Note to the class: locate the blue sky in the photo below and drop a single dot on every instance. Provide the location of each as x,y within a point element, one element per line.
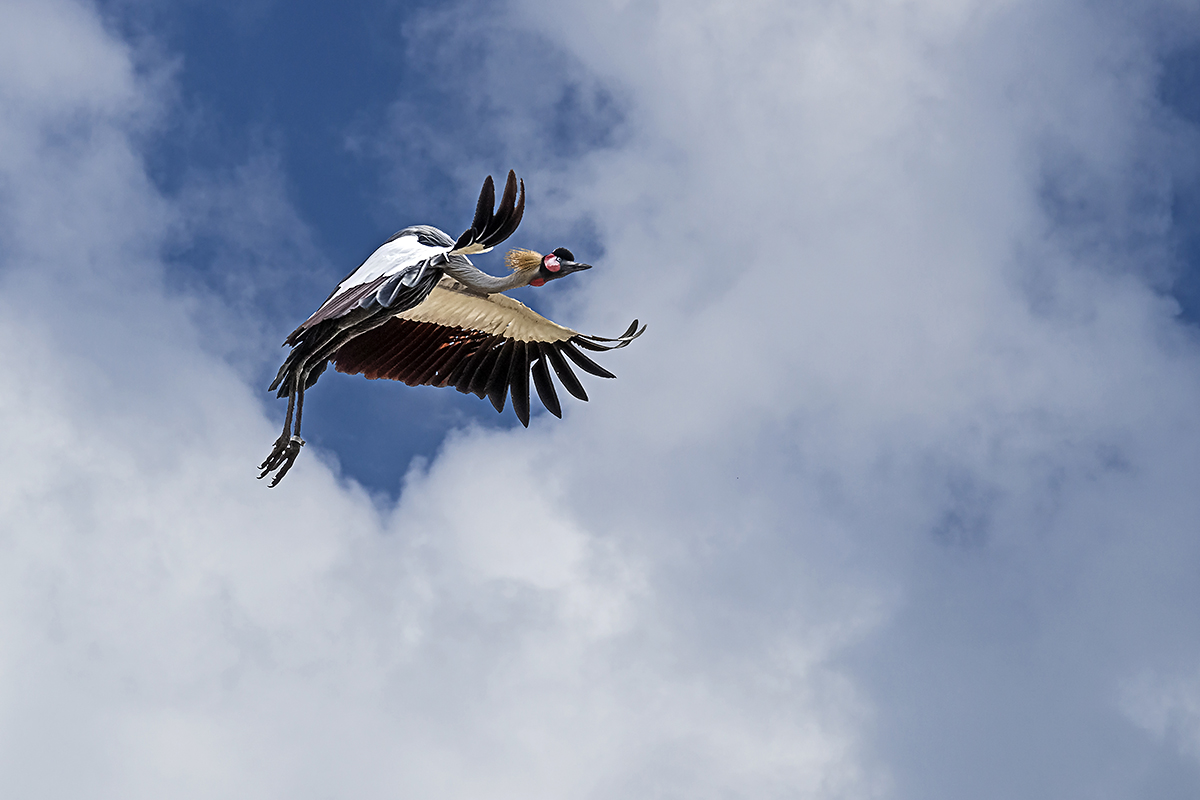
<point>300,89</point>
<point>312,91</point>
<point>895,498</point>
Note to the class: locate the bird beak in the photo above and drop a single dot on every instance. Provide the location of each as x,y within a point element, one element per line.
<point>572,266</point>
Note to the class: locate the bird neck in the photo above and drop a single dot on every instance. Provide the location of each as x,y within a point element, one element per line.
<point>474,278</point>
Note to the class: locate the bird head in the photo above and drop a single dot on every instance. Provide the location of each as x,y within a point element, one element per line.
<point>544,269</point>
<point>557,264</point>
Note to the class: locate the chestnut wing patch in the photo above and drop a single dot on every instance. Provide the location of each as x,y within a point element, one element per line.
<point>476,362</point>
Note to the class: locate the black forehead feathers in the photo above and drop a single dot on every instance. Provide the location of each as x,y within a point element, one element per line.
<point>564,254</point>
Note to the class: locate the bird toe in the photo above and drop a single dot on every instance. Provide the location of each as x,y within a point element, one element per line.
<point>282,456</point>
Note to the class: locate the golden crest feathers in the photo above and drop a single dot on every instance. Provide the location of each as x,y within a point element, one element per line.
<point>517,260</point>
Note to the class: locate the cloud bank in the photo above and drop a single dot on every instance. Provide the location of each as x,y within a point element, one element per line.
<point>894,499</point>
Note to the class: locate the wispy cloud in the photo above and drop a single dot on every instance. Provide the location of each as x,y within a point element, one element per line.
<point>894,499</point>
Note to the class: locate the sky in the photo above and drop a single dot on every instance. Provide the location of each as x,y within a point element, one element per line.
<point>895,498</point>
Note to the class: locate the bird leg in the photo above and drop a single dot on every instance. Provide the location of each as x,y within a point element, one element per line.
<point>286,448</point>
<point>281,442</point>
<point>300,406</point>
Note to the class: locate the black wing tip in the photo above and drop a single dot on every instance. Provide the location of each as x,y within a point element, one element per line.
<point>490,228</point>
<point>483,206</point>
<point>518,380</point>
<point>631,333</point>
<point>545,387</point>
<point>514,213</point>
<point>598,344</point>
<point>505,220</point>
<point>570,382</point>
<point>585,363</point>
<point>602,344</point>
<point>497,383</point>
<point>467,237</point>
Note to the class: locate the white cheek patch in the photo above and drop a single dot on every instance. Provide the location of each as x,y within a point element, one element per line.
<point>553,264</point>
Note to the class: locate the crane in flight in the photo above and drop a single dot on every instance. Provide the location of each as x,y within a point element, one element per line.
<point>419,311</point>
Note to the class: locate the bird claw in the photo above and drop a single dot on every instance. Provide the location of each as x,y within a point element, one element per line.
<point>282,456</point>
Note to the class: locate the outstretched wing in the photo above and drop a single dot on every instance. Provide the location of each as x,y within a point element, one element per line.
<point>489,229</point>
<point>387,278</point>
<point>485,345</point>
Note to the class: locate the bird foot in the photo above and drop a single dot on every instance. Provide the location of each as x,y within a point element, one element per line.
<point>283,455</point>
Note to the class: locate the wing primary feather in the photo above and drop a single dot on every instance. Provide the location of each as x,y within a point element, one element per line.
<point>483,208</point>
<point>483,371</point>
<point>545,388</point>
<point>460,376</point>
<point>516,217</point>
<point>465,376</point>
<point>518,379</point>
<point>624,339</point>
<point>563,370</point>
<point>629,332</point>
<point>508,202</point>
<point>590,345</point>
<point>446,371</point>
<point>464,240</point>
<point>497,383</point>
<point>490,228</point>
<point>585,363</point>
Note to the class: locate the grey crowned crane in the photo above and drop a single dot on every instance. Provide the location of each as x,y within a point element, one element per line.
<point>419,311</point>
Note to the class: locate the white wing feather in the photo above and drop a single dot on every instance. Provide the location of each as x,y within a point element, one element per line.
<point>391,258</point>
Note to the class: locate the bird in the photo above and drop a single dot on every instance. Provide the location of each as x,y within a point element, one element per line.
<point>418,311</point>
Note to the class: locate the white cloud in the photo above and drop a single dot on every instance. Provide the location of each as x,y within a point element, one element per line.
<point>894,499</point>
<point>1166,708</point>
